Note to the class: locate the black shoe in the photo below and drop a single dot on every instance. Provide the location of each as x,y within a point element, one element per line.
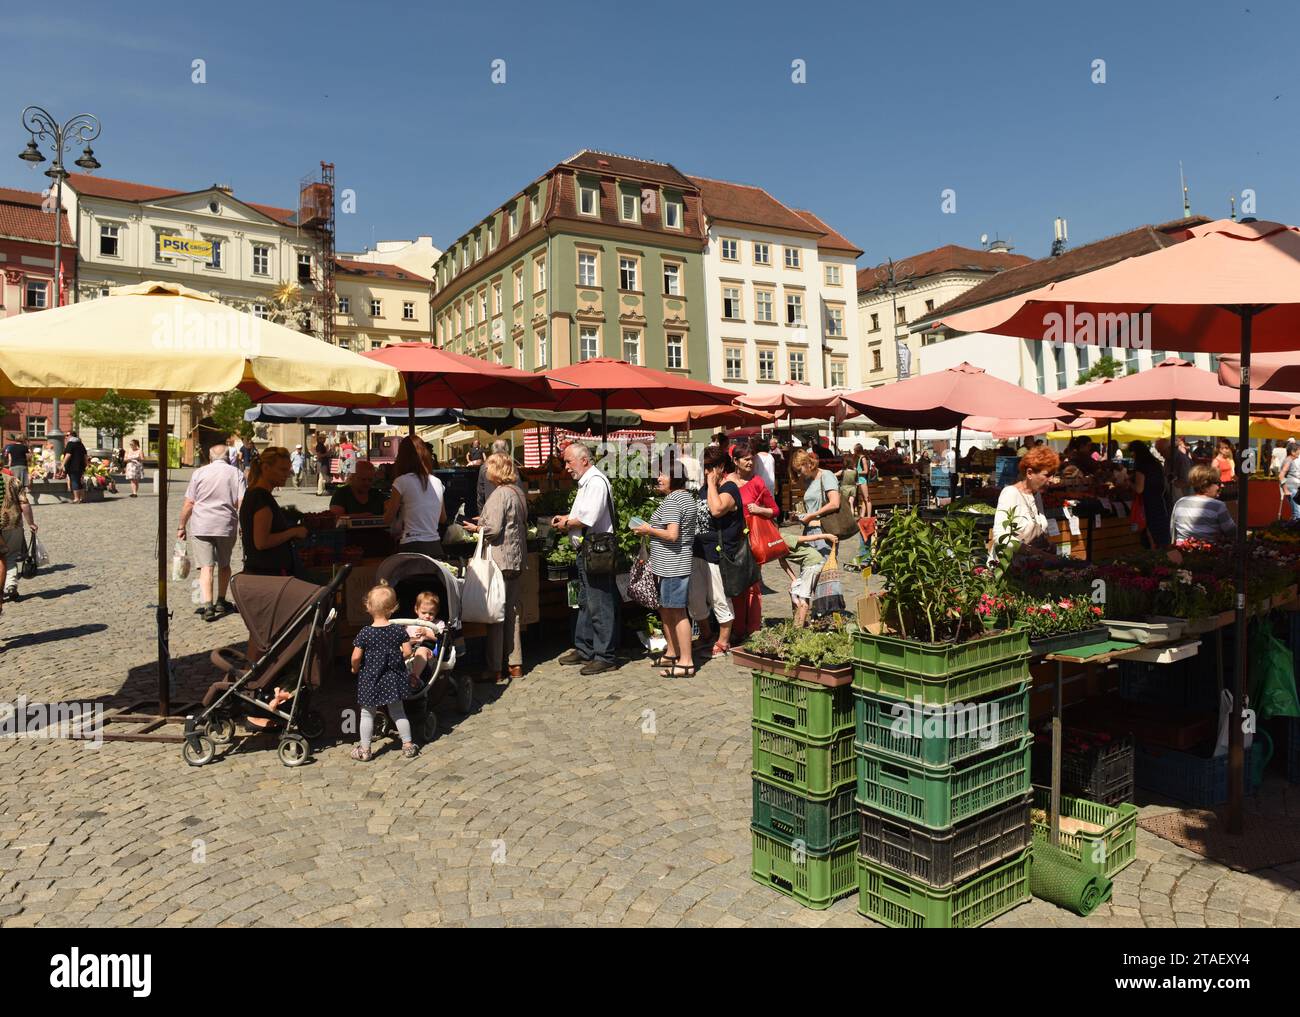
<point>598,667</point>
<point>210,614</point>
<point>203,609</point>
<point>573,657</point>
<point>225,606</point>
<point>11,596</point>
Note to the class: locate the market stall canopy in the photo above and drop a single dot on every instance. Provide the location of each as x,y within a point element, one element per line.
<point>159,337</point>
<point>691,417</point>
<point>604,384</point>
<point>1021,428</point>
<point>945,399</point>
<point>1174,385</point>
<point>1150,430</point>
<point>1077,392</point>
<point>1272,371</point>
<point>794,401</point>
<point>499,420</point>
<point>310,413</point>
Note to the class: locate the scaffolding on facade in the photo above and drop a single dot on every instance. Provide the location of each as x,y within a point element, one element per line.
<point>316,216</point>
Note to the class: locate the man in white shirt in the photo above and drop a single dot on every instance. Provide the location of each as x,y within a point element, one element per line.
<point>765,467</point>
<point>595,638</point>
<point>210,518</point>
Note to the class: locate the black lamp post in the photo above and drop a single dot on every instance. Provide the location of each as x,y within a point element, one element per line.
<point>891,278</point>
<point>81,129</point>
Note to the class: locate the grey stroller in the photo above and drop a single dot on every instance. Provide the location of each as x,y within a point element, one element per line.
<point>409,574</point>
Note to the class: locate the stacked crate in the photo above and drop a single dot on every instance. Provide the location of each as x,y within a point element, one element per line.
<point>804,829</point>
<point>942,749</point>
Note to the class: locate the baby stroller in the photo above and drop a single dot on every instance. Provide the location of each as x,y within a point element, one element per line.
<point>293,621</point>
<point>409,574</point>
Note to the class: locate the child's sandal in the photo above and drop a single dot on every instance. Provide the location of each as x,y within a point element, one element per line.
<point>360,755</point>
<point>410,750</point>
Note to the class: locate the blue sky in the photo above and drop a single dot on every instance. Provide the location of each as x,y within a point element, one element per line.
<point>902,101</point>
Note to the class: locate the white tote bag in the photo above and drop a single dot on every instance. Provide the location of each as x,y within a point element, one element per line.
<point>483,599</point>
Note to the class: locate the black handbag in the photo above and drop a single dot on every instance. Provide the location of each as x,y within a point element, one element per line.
<point>27,570</point>
<point>740,570</point>
<point>599,551</point>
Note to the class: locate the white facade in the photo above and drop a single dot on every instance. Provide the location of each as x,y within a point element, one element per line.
<point>418,255</point>
<point>751,339</point>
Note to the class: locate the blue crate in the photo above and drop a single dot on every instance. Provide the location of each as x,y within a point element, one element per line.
<point>1195,779</point>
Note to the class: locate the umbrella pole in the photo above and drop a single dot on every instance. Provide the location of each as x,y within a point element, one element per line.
<point>1171,467</point>
<point>367,439</point>
<point>410,410</point>
<point>1236,745</point>
<point>1108,427</point>
<point>160,614</point>
<point>604,417</point>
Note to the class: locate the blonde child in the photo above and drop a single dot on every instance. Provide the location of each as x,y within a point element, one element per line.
<point>424,640</point>
<point>378,660</point>
<point>810,562</point>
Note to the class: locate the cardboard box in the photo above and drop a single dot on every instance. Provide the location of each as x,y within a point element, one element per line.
<point>869,613</point>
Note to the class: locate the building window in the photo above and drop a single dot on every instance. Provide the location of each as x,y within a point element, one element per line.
<point>767,365</point>
<point>796,365</point>
<point>496,297</point>
<point>482,305</point>
<point>464,257</point>
<point>459,328</point>
<point>929,305</point>
<point>304,268</point>
<point>104,291</point>
<point>875,361</point>
<point>630,208</point>
<point>632,346</point>
<point>1131,361</point>
<point>345,305</point>
<point>731,308</point>
<point>838,373</point>
<point>532,210</point>
<point>588,343</point>
<point>543,350</point>
<point>408,310</point>
<point>673,215</point>
<point>627,274</point>
<point>734,363</point>
<point>875,323</point>
<point>586,269</point>
<point>37,295</point>
<point>1059,352</point>
<point>900,315</point>
<point>672,279</point>
<point>260,311</point>
<point>762,254</point>
<point>792,256</point>
<point>376,309</point>
<point>519,286</point>
<point>763,305</point>
<point>519,354</point>
<point>469,312</point>
<point>36,428</point>
<point>730,250</point>
<point>794,308</point>
<point>676,353</point>
<point>832,275</point>
<point>834,321</point>
<point>215,260</point>
<point>1081,361</point>
<point>541,274</point>
<point>478,249</point>
<point>261,260</point>
<point>514,221</point>
<point>497,356</point>
<point>157,249</point>
<point>588,200</point>
<point>108,241</point>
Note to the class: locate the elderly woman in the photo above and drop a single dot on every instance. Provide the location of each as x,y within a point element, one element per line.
<point>821,496</point>
<point>263,527</point>
<point>672,533</point>
<point>503,523</point>
<point>1201,515</point>
<point>1020,505</point>
<point>417,500</point>
<point>357,498</point>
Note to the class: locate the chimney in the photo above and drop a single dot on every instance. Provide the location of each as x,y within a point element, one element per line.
<point>1061,236</point>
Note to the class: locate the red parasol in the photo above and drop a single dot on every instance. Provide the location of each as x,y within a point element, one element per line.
<point>603,383</point>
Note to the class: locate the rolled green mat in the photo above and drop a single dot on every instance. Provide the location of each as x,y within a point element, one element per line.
<point>1061,880</point>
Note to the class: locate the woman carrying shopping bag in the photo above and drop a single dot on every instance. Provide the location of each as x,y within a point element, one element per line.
<point>758,504</point>
<point>503,526</point>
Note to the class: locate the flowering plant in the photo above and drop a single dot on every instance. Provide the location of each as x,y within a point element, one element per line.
<point>1055,617</point>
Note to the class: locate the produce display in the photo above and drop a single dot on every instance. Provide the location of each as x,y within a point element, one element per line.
<point>822,643</point>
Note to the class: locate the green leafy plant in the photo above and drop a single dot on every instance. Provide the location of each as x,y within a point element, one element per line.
<point>820,646</point>
<point>562,555</point>
<point>228,414</point>
<point>113,413</point>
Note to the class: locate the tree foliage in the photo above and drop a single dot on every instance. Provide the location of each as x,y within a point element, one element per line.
<point>113,413</point>
<point>1106,367</point>
<point>228,414</point>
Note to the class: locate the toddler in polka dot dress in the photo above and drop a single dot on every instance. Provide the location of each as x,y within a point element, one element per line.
<point>379,661</point>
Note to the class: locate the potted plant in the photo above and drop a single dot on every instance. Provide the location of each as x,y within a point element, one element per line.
<point>559,560</point>
<point>820,652</point>
<point>1061,623</point>
<point>943,610</point>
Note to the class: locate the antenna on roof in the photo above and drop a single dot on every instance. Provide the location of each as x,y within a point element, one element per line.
<point>984,240</point>
<point>1232,207</point>
<point>1187,205</point>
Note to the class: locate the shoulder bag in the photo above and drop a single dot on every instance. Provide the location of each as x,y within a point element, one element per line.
<point>599,551</point>
<point>483,597</point>
<point>643,586</point>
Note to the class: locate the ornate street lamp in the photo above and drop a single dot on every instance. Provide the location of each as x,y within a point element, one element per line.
<point>80,130</point>
<point>893,278</point>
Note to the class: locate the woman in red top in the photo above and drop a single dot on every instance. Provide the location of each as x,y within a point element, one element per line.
<point>1223,462</point>
<point>757,500</point>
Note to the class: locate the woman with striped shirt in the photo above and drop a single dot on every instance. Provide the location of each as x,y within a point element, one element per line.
<point>672,534</point>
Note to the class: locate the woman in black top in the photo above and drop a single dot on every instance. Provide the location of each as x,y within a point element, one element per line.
<point>726,527</point>
<point>1149,483</point>
<point>263,526</point>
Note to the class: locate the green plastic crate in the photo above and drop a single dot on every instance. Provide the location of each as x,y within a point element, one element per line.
<point>938,797</point>
<point>803,708</point>
<point>938,660</point>
<point>821,823</point>
<point>815,769</point>
<point>1106,852</point>
<point>942,736</point>
<point>958,687</point>
<point>902,903</point>
<point>815,879</point>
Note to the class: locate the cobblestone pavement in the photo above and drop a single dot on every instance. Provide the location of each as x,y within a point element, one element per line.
<point>551,804</point>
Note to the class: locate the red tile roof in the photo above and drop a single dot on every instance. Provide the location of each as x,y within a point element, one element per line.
<point>562,202</point>
<point>125,190</point>
<point>949,258</point>
<point>744,203</point>
<point>378,270</point>
<point>628,167</point>
<point>21,217</point>
<point>1072,262</point>
<point>832,240</point>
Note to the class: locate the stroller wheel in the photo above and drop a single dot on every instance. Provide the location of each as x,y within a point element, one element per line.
<point>312,724</point>
<point>293,750</point>
<point>384,727</point>
<point>430,726</point>
<point>465,694</point>
<point>221,729</point>
<point>198,750</point>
